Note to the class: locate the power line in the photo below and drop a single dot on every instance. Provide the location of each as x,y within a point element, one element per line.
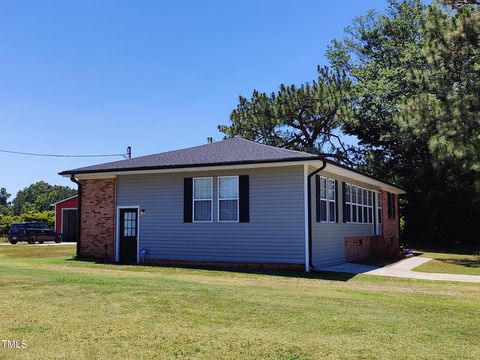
<point>61,155</point>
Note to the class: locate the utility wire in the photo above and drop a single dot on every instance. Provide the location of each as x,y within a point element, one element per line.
<point>61,155</point>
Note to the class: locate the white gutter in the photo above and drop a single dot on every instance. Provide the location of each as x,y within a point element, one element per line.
<point>305,205</point>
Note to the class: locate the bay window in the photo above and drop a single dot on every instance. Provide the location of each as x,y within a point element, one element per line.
<point>358,205</point>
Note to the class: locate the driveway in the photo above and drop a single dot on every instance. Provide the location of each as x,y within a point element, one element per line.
<point>402,269</point>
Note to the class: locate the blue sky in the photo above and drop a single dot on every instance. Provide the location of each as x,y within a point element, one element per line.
<point>96,76</point>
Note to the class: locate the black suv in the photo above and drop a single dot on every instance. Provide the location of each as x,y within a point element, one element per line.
<point>32,232</point>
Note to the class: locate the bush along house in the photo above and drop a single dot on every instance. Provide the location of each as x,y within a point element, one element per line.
<point>234,203</point>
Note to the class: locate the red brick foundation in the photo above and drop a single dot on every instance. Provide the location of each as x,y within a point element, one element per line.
<point>362,247</point>
<point>358,247</point>
<point>97,233</point>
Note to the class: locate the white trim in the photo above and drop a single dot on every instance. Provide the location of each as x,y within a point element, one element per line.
<point>335,170</point>
<point>61,218</point>
<point>117,231</point>
<point>69,198</point>
<point>112,174</point>
<point>305,212</point>
<point>193,200</point>
<point>237,199</point>
<point>340,171</point>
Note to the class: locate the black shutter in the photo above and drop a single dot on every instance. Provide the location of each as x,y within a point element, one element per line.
<point>336,201</point>
<point>244,198</point>
<point>317,197</point>
<point>374,210</point>
<point>344,201</point>
<point>187,199</point>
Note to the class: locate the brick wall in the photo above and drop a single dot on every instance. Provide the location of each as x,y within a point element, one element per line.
<point>97,219</point>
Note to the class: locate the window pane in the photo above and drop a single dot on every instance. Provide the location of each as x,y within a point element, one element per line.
<point>354,194</point>
<point>323,210</point>
<point>228,210</point>
<point>348,210</point>
<point>228,187</point>
<point>370,213</point>
<point>360,214</point>
<point>365,197</point>
<point>354,213</point>
<point>331,189</point>
<point>202,210</point>
<point>360,196</point>
<point>365,216</point>
<point>202,188</point>
<point>332,211</point>
<point>370,200</point>
<point>323,188</point>
<point>347,193</point>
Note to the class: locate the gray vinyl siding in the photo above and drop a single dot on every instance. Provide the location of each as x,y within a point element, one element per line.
<point>274,234</point>
<point>328,245</point>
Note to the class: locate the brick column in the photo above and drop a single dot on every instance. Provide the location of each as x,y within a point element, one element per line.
<point>390,228</point>
<point>98,219</point>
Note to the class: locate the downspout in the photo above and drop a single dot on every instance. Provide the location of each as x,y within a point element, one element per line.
<point>79,209</point>
<point>309,194</point>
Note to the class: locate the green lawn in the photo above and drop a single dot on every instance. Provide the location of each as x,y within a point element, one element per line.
<point>81,310</point>
<point>451,264</point>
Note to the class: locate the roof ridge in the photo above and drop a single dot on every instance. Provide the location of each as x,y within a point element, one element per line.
<point>275,147</point>
<point>167,152</point>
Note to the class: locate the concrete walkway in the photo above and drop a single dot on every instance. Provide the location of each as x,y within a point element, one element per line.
<point>402,269</point>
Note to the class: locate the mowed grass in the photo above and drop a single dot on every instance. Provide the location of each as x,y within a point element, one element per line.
<point>81,310</point>
<point>451,264</point>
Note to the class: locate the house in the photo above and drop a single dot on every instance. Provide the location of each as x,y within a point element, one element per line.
<point>234,202</point>
<point>66,218</point>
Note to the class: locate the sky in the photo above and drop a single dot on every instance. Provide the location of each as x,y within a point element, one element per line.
<point>93,77</point>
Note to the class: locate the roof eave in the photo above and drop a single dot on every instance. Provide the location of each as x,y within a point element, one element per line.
<point>186,166</point>
<point>60,201</point>
<point>213,166</point>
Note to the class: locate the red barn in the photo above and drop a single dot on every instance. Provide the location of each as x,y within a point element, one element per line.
<point>66,218</point>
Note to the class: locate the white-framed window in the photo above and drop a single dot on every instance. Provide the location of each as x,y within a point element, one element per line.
<point>203,199</point>
<point>328,211</point>
<point>359,204</point>
<point>228,204</point>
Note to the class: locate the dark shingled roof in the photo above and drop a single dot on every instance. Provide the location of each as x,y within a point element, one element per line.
<point>227,152</point>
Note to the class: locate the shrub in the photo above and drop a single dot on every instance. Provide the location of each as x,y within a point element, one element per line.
<point>7,220</point>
